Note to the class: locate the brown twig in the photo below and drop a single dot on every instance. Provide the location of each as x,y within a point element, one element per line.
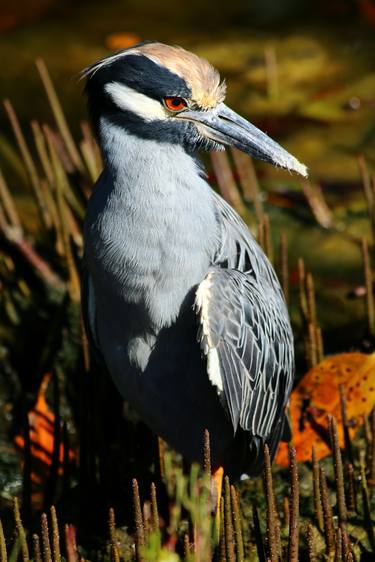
<point>368,192</point>
<point>264,236</point>
<point>312,347</point>
<point>70,544</point>
<point>249,181</point>
<point>160,458</point>
<point>302,288</point>
<point>21,532</point>
<point>3,545</point>
<point>318,205</point>
<point>154,508</point>
<point>222,546</point>
<point>316,491</point>
<point>229,535</point>
<point>319,344</point>
<point>339,472</point>
<point>47,557</point>
<point>115,556</point>
<point>260,234</point>
<point>85,346</point>
<point>310,298</point>
<point>28,161</point>
<point>225,180</point>
<point>146,512</point>
<point>368,283</point>
<point>329,532</point>
<point>368,437</point>
<point>138,519</point>
<point>41,148</point>
<point>294,508</point>
<point>9,204</point>
<point>60,181</point>
<point>59,115</point>
<point>338,546</point>
<point>367,520</point>
<point>207,453</point>
<point>38,263</point>
<point>36,548</point>
<point>272,541</point>
<point>286,513</point>
<point>347,552</point>
<point>55,536</point>
<point>91,154</point>
<point>267,237</point>
<point>352,496</point>
<point>311,546</point>
<point>366,181</point>
<point>345,425</point>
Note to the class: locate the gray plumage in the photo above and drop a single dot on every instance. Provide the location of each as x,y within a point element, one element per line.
<point>181,303</point>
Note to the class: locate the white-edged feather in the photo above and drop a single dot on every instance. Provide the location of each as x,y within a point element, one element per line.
<point>202,299</point>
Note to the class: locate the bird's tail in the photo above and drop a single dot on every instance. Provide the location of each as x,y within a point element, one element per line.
<point>280,431</point>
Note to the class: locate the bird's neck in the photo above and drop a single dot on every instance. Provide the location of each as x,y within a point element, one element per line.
<point>145,167</point>
<point>151,227</point>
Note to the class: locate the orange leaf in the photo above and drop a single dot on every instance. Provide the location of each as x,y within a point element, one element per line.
<point>317,395</point>
<point>41,422</point>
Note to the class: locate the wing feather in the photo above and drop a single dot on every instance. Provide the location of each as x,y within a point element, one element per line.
<point>244,320</point>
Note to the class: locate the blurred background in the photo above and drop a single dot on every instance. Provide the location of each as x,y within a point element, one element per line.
<point>302,71</point>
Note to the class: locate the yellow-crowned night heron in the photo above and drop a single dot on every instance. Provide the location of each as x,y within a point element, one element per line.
<point>179,300</point>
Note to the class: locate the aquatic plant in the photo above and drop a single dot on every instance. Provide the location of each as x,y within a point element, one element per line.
<point>335,524</point>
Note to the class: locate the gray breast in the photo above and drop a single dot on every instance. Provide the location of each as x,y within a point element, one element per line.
<point>150,237</point>
<point>149,241</point>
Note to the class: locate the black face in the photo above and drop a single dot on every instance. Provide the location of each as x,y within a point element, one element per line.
<point>143,75</point>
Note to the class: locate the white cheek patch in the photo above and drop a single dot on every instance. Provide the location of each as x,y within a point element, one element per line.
<point>130,100</point>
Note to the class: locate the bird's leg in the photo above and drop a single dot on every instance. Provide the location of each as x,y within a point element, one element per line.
<point>216,488</point>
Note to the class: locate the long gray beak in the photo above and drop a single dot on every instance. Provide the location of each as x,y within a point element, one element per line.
<point>227,127</point>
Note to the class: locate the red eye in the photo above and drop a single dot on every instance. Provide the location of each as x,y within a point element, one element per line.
<point>174,103</point>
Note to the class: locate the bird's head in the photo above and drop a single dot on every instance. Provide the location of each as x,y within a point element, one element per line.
<point>170,95</point>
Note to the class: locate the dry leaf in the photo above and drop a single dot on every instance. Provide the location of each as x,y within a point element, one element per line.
<point>317,395</point>
<point>41,422</point>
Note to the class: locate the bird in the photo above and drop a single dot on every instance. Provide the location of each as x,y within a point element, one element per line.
<point>179,301</point>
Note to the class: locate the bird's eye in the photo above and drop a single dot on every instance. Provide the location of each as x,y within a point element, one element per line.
<point>174,103</point>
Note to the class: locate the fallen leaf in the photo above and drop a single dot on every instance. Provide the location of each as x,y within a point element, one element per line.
<point>317,396</point>
<point>41,423</point>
